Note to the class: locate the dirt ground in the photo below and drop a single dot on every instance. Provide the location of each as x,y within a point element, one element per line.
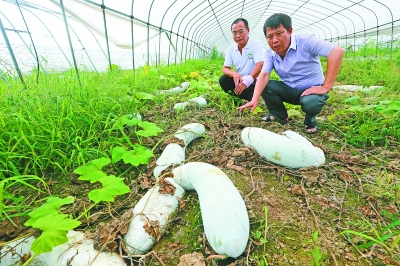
<point>287,205</point>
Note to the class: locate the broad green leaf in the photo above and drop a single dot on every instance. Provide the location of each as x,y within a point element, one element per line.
<point>257,110</point>
<point>55,221</point>
<point>395,105</point>
<point>51,206</point>
<point>112,186</point>
<point>127,120</point>
<point>48,240</point>
<point>117,153</point>
<point>93,176</point>
<point>139,155</point>
<point>95,165</point>
<point>149,129</point>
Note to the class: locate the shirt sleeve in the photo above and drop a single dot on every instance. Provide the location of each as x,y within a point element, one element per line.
<point>319,47</point>
<point>228,58</point>
<point>268,61</point>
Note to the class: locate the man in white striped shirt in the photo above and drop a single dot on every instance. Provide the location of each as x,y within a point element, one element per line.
<point>246,55</point>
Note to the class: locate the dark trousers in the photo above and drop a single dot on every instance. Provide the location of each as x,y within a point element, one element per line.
<point>228,85</point>
<point>278,92</point>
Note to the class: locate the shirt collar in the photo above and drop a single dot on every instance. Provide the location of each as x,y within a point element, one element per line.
<point>293,45</point>
<point>237,48</point>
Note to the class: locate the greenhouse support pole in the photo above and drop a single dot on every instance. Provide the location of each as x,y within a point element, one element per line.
<point>106,33</point>
<point>3,31</point>
<point>148,34</point>
<point>70,43</point>
<point>132,36</point>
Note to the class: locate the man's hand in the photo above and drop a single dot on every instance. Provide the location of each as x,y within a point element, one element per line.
<point>321,90</point>
<point>240,88</point>
<point>237,78</point>
<point>253,104</point>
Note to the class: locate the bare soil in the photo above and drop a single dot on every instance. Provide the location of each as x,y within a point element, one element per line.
<point>288,205</point>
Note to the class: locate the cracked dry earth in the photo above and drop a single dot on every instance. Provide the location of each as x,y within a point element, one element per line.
<point>286,205</point>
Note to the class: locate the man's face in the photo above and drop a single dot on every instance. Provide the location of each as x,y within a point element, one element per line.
<point>240,33</point>
<point>279,39</point>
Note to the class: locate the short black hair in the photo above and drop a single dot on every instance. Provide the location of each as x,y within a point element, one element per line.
<point>246,24</point>
<point>276,20</point>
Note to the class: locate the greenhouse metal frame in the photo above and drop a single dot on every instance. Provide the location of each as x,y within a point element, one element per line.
<point>99,35</point>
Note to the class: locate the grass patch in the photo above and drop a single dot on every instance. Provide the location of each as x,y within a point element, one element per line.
<point>53,127</point>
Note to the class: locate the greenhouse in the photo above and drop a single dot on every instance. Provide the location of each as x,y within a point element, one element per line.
<point>199,132</point>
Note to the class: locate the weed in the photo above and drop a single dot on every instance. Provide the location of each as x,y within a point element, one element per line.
<point>261,235</point>
<point>387,236</point>
<point>316,254</point>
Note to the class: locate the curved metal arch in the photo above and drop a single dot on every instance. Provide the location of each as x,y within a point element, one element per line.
<point>324,19</point>
<point>73,30</point>
<point>265,10</point>
<point>300,20</point>
<point>22,39</point>
<point>162,21</point>
<point>3,31</point>
<point>214,15</point>
<point>211,40</point>
<point>354,30</point>
<point>57,15</point>
<point>210,19</point>
<point>177,34</point>
<point>184,31</point>
<point>148,32</point>
<point>200,23</point>
<point>332,16</point>
<point>377,30</point>
<point>391,14</point>
<point>307,23</point>
<point>204,24</point>
<point>183,34</point>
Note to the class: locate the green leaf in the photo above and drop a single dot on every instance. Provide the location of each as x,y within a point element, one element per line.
<point>316,255</point>
<point>352,99</point>
<point>127,120</point>
<point>95,165</point>
<point>139,155</point>
<point>149,129</point>
<point>112,186</point>
<point>93,176</point>
<point>315,236</point>
<point>257,110</point>
<point>51,206</point>
<point>54,224</point>
<point>394,105</point>
<point>55,221</point>
<point>144,96</point>
<point>48,240</point>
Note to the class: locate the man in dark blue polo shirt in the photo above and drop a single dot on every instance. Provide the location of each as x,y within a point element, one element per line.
<point>295,58</point>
